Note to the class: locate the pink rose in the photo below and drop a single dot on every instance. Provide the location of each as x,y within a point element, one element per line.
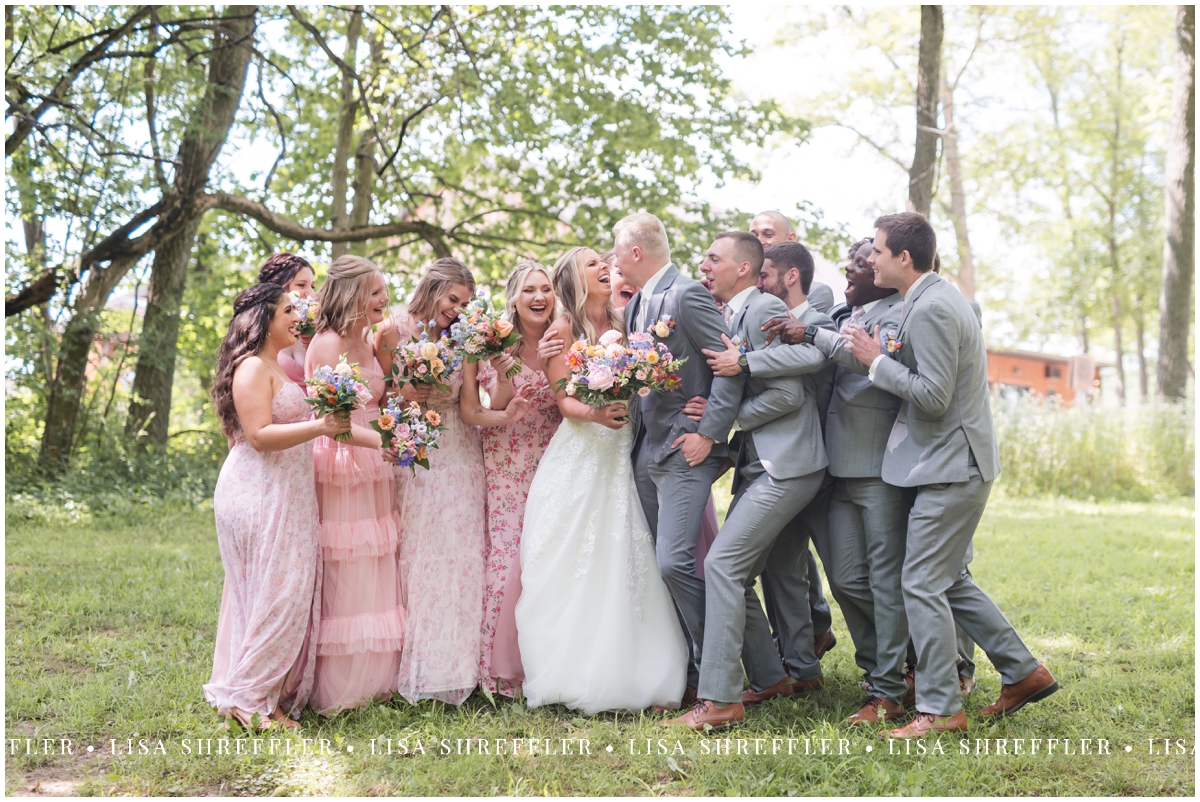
<point>609,337</point>
<point>644,391</point>
<point>599,378</point>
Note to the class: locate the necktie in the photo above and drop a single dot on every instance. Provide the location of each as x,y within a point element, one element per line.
<point>727,314</point>
<point>641,315</point>
<point>857,314</point>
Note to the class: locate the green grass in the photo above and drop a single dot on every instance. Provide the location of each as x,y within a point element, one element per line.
<point>110,635</point>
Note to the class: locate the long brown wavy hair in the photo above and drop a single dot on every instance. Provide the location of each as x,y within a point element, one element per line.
<point>253,310</point>
<point>570,290</point>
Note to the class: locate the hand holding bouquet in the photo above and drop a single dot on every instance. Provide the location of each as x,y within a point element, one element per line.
<point>480,335</point>
<point>306,308</point>
<point>337,390</point>
<point>610,372</point>
<point>408,432</point>
<point>425,361</point>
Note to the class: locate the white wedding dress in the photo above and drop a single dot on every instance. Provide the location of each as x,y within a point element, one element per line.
<point>596,625</point>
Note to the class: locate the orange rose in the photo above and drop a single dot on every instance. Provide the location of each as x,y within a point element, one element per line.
<point>503,328</point>
<point>422,453</point>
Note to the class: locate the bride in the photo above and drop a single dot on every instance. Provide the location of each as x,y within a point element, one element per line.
<point>596,625</point>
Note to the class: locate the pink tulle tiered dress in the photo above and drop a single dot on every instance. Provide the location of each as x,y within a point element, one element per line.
<point>266,513</point>
<point>362,619</point>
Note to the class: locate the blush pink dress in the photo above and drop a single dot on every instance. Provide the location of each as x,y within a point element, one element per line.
<point>441,559</point>
<point>266,513</point>
<point>362,618</point>
<point>510,456</point>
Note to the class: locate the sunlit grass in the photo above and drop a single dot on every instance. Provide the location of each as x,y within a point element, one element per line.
<point>110,636</point>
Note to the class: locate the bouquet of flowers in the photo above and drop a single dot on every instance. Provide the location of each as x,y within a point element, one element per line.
<point>609,372</point>
<point>408,431</point>
<point>425,361</point>
<point>306,308</point>
<point>337,389</point>
<point>480,334</point>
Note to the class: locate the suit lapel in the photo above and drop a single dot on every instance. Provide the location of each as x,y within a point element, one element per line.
<point>655,304</point>
<point>736,321</point>
<point>631,312</point>
<point>880,309</point>
<point>910,302</point>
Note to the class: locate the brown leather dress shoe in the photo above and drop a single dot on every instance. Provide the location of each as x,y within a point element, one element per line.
<point>801,685</point>
<point>689,699</point>
<point>752,697</point>
<point>925,723</point>
<point>966,684</point>
<point>875,710</point>
<point>1038,685</point>
<point>824,642</point>
<point>705,712</point>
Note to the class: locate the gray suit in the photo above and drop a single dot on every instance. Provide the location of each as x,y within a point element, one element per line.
<point>868,518</point>
<point>791,568</point>
<point>779,469</point>
<point>943,446</point>
<point>674,494</point>
<point>820,297</point>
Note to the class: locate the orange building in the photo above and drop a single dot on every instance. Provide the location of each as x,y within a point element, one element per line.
<point>1045,375</point>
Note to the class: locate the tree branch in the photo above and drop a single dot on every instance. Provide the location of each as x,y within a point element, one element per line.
<point>33,294</point>
<point>26,120</point>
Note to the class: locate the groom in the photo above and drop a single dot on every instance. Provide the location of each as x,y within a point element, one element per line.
<point>675,459</point>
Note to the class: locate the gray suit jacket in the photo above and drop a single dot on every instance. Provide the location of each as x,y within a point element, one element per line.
<point>800,360</point>
<point>940,372</point>
<point>698,324</point>
<point>861,415</point>
<point>820,297</point>
<point>778,413</point>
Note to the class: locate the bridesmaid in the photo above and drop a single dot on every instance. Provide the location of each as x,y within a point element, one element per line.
<point>266,512</point>
<point>362,619</point>
<point>513,443</point>
<point>294,274</point>
<point>442,513</point>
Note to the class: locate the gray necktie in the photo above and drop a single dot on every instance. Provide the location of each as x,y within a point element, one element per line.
<point>727,313</point>
<point>856,316</point>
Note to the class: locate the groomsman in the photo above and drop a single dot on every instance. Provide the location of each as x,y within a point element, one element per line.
<point>867,517</point>
<point>771,228</point>
<point>943,447</point>
<point>791,570</point>
<point>778,470</point>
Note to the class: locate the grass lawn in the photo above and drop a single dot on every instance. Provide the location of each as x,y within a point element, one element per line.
<point>110,634</point>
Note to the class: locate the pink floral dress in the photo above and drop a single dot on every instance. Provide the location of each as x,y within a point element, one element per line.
<point>266,511</point>
<point>510,456</point>
<point>362,618</point>
<point>441,559</point>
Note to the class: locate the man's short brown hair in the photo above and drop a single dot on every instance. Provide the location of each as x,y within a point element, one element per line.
<point>788,255</point>
<point>746,248</point>
<point>909,231</point>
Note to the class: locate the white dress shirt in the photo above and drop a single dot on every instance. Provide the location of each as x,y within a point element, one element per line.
<point>913,286</point>
<point>738,301</point>
<point>800,310</point>
<point>646,291</point>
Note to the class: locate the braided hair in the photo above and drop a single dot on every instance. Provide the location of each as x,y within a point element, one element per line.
<point>281,268</point>
<point>253,311</point>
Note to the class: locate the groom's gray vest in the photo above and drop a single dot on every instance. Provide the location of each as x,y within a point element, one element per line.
<point>698,325</point>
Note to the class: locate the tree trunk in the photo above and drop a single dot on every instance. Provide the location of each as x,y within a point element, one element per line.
<point>1179,250</point>
<point>929,67</point>
<point>66,395</point>
<point>347,114</point>
<point>1140,329</point>
<point>958,200</point>
<point>150,402</point>
<point>150,407</point>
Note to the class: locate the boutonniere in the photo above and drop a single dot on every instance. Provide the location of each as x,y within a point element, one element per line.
<point>891,342</point>
<point>663,326</point>
<point>739,343</point>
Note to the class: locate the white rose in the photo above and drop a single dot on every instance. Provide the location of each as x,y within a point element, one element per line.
<point>343,369</point>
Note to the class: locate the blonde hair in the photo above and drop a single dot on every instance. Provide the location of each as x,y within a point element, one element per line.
<point>438,279</point>
<point>343,297</point>
<point>646,232</point>
<point>570,292</point>
<point>516,283</point>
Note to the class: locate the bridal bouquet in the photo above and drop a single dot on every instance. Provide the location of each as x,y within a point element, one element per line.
<point>425,361</point>
<point>609,372</point>
<point>408,432</point>
<point>306,308</point>
<point>337,389</point>
<point>480,335</point>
